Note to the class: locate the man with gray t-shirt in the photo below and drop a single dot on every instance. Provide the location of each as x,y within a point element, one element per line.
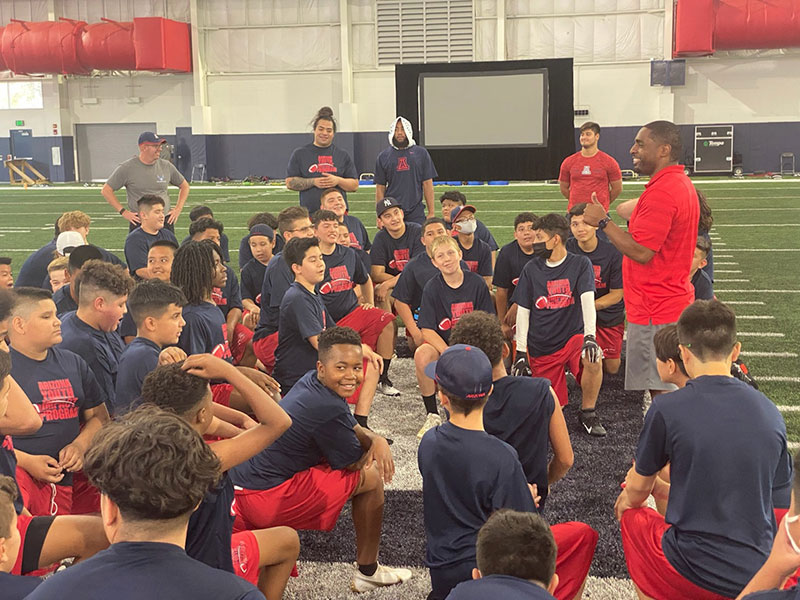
<point>143,175</point>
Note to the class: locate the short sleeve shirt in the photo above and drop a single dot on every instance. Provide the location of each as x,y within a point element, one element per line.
<point>138,243</point>
<point>343,270</point>
<point>442,306</point>
<point>311,161</point>
<point>208,538</point>
<point>230,296</point>
<point>607,268</point>
<point>137,361</point>
<point>508,267</point>
<point>321,430</point>
<point>729,468</point>
<point>277,278</point>
<point>205,331</point>
<point>703,286</point>
<point>553,295</point>
<point>665,221</point>
<point>252,280</point>
<point>359,238</point>
<point>302,315</point>
<point>466,476</point>
<point>140,179</point>
<point>402,172</point>
<point>394,253</point>
<point>34,270</point>
<point>64,301</point>
<point>478,257</point>
<point>589,174</point>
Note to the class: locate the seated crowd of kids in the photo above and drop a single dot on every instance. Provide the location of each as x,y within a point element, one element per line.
<point>168,426</point>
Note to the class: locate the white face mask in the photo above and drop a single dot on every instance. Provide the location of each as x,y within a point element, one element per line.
<point>466,227</point>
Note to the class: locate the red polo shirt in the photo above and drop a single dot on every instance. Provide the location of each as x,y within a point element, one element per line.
<point>665,221</point>
<point>589,174</point>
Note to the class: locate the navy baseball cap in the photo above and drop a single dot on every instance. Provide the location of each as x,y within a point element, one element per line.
<point>459,209</point>
<point>262,229</point>
<point>464,371</point>
<point>148,137</point>
<point>383,205</point>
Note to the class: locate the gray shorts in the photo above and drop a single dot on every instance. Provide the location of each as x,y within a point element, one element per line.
<point>640,359</point>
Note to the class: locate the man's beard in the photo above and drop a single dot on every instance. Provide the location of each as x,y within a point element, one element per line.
<point>396,144</point>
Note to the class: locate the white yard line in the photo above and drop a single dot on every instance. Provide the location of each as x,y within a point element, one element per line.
<point>765,317</point>
<point>756,302</point>
<point>769,354</point>
<point>760,334</point>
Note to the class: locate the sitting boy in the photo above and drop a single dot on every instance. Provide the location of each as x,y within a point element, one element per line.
<point>475,252</point>
<point>717,532</point>
<point>139,240</point>
<point>510,261</point>
<point>304,479</point>
<point>516,556</point>
<point>201,211</point>
<point>261,241</point>
<point>66,297</point>
<point>703,286</point>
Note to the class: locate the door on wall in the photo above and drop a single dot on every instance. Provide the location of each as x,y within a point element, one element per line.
<point>103,146</point>
<point>21,143</point>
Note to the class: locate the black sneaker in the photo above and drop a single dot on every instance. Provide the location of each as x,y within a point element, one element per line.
<point>591,424</point>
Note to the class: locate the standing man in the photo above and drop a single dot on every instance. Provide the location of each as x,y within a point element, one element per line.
<point>146,175</point>
<point>658,248</point>
<point>590,170</point>
<point>405,171</point>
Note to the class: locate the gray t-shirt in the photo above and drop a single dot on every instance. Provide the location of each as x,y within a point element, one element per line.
<point>140,180</point>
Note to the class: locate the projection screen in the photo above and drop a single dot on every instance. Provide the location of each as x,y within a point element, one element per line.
<point>484,109</point>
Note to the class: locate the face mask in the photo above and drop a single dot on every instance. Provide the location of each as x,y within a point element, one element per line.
<point>467,227</point>
<point>540,249</point>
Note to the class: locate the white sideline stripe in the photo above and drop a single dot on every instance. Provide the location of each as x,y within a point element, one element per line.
<point>721,244</point>
<point>770,354</point>
<point>757,302</point>
<point>788,407</point>
<point>760,334</point>
<point>779,378</point>
<point>725,271</point>
<point>758,225</point>
<point>762,250</point>
<point>729,264</point>
<point>716,210</point>
<point>732,280</point>
<point>754,317</point>
<point>758,291</point>
<point>723,256</point>
<point>793,445</point>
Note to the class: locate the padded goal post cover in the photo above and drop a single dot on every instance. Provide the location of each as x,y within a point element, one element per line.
<point>107,46</point>
<point>162,45</point>
<point>694,28</point>
<point>42,47</point>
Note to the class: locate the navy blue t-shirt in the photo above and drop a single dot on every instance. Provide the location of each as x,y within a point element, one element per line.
<point>17,587</point>
<point>253,280</point>
<point>100,349</point>
<point>302,315</point>
<point>607,268</point>
<point>418,272</point>
<point>208,538</point>
<point>322,429</point>
<point>508,267</point>
<point>499,586</point>
<point>518,412</point>
<point>402,172</point>
<point>60,387</point>
<point>359,238</point>
<point>703,286</point>
<point>138,243</point>
<point>343,270</point>
<point>311,161</point>
<point>442,306</point>
<point>127,327</point>
<point>553,295</point>
<point>277,279</point>
<point>138,359</point>
<point>466,476</point>
<point>394,254</point>
<point>205,331</point>
<point>135,570</point>
<point>478,257</point>
<point>729,468</point>
<point>230,296</point>
<point>246,255</point>
<point>8,466</point>
<point>64,301</point>
<point>34,270</point>
<point>481,233</point>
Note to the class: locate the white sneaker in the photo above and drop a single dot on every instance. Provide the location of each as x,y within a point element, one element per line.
<point>387,389</point>
<point>431,421</point>
<point>382,577</point>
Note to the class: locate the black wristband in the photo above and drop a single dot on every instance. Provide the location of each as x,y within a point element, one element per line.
<point>601,224</point>
<point>122,210</point>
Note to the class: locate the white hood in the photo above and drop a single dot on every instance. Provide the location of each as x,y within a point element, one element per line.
<point>406,128</point>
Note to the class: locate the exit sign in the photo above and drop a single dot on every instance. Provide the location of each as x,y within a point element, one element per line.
<point>19,123</point>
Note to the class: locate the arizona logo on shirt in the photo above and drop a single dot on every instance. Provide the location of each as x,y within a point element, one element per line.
<point>401,258</point>
<point>559,295</point>
<point>587,170</point>
<point>354,242</point>
<point>324,165</point>
<point>598,282</point>
<point>58,400</point>
<point>402,163</point>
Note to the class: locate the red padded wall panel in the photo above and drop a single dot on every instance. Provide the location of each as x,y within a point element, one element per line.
<point>3,65</point>
<point>162,45</point>
<point>742,24</point>
<point>43,47</point>
<point>694,28</point>
<point>107,45</point>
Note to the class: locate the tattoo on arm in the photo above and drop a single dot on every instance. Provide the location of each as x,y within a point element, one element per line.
<point>298,184</point>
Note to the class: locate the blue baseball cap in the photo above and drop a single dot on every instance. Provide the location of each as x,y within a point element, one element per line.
<point>383,205</point>
<point>459,209</point>
<point>262,229</point>
<point>462,370</point>
<point>148,137</point>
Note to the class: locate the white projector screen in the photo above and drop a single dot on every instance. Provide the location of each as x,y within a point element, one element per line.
<point>484,109</point>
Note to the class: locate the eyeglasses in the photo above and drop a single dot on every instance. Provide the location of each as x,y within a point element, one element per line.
<point>786,522</point>
<point>306,228</point>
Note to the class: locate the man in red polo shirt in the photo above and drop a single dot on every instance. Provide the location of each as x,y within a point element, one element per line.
<point>658,248</point>
<point>590,170</point>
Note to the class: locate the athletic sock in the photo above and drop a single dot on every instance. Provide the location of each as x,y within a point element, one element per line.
<point>361,420</point>
<point>368,570</point>
<point>385,374</point>
<point>430,404</point>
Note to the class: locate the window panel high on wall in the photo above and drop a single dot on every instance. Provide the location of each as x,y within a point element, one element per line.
<point>92,11</point>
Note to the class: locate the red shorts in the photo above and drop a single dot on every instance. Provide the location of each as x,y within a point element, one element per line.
<point>610,340</point>
<point>642,531</point>
<point>246,556</point>
<point>43,499</point>
<point>368,322</point>
<point>221,393</point>
<point>576,543</point>
<point>265,351</point>
<point>312,499</point>
<point>241,337</point>
<point>85,497</point>
<point>551,366</point>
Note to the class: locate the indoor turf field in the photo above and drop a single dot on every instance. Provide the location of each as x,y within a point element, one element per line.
<point>756,237</point>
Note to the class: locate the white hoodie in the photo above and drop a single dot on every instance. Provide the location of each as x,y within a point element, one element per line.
<point>406,128</point>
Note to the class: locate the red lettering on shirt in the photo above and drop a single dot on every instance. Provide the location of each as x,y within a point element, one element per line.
<point>354,241</point>
<point>217,297</point>
<point>598,282</point>
<point>223,350</point>
<point>401,258</point>
<point>59,402</point>
<point>459,309</point>
<point>559,295</point>
<point>340,280</point>
<point>8,444</point>
<point>324,165</point>
<point>402,163</point>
